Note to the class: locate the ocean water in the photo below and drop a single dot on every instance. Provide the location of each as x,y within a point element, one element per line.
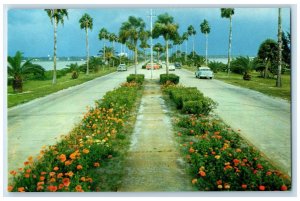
<point>48,65</point>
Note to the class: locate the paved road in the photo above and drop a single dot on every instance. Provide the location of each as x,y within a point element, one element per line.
<point>264,121</point>
<point>41,121</point>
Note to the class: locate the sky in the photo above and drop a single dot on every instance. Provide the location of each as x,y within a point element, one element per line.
<point>31,32</point>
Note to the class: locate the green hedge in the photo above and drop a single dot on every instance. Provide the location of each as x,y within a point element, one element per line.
<point>169,77</point>
<point>138,78</point>
<point>190,100</point>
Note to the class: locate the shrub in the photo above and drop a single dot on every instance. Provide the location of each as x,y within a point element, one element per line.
<point>138,78</point>
<point>169,77</point>
<point>75,75</point>
<point>216,66</point>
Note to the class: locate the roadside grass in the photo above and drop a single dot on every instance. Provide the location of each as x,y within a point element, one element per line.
<point>33,89</point>
<point>265,86</point>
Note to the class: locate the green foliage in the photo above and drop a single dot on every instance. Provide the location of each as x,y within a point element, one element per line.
<point>75,75</point>
<point>220,160</point>
<point>164,78</point>
<point>138,78</point>
<point>217,66</point>
<point>241,65</point>
<point>86,22</point>
<point>190,100</point>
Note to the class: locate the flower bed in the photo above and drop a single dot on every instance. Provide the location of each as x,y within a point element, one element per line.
<point>68,165</point>
<point>219,159</point>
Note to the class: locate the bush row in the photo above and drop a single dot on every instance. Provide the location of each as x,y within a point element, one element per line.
<point>190,100</point>
<point>220,160</point>
<point>138,78</point>
<point>164,78</point>
<point>70,165</point>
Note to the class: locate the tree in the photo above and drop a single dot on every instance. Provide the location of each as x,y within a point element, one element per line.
<point>192,32</point>
<point>278,80</point>
<point>107,53</point>
<point>18,70</point>
<point>86,22</point>
<point>113,38</point>
<point>286,48</point>
<point>158,48</point>
<point>185,37</point>
<point>58,16</point>
<point>242,65</point>
<point>268,53</point>
<point>103,35</point>
<point>227,13</point>
<point>131,31</point>
<point>165,26</point>
<point>205,29</point>
<point>144,38</point>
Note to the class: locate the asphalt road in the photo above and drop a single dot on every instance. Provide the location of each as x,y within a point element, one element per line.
<point>263,121</point>
<point>42,121</point>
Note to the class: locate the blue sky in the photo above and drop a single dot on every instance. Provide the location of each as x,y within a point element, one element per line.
<point>30,30</point>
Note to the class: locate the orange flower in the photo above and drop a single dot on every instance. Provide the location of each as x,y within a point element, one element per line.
<point>268,173</point>
<point>194,181</point>
<point>217,132</point>
<point>202,173</point>
<point>26,163</point>
<point>52,174</point>
<point>219,182</point>
<point>27,175</point>
<point>60,175</point>
<point>21,189</point>
<point>40,183</point>
<point>42,178</point>
<point>78,188</point>
<point>79,167</point>
<point>217,156</point>
<point>191,150</point>
<point>52,188</point>
<point>89,180</point>
<point>56,168</point>
<point>96,164</point>
<point>244,186</point>
<point>62,158</point>
<point>226,186</point>
<point>85,151</point>
<point>238,150</point>
<point>68,162</point>
<point>82,179</point>
<point>283,188</point>
<point>10,188</point>
<point>38,188</point>
<point>70,174</point>
<point>43,173</point>
<point>261,188</point>
<point>60,186</point>
<point>259,166</point>
<point>52,180</point>
<point>13,172</point>
<point>66,181</point>
<point>28,170</point>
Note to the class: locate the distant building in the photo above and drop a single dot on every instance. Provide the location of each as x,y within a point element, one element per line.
<point>122,54</point>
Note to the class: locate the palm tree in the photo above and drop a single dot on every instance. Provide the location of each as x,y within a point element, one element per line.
<point>185,37</point>
<point>131,31</point>
<point>205,29</point>
<point>103,35</point>
<point>113,38</point>
<point>165,26</point>
<point>227,13</point>
<point>158,48</point>
<point>86,22</point>
<point>107,53</point>
<point>192,32</point>
<point>144,38</point>
<point>18,70</point>
<point>58,16</point>
<point>278,80</point>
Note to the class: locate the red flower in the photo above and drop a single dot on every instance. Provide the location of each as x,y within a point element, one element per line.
<point>244,186</point>
<point>202,173</point>
<point>283,188</point>
<point>52,188</point>
<point>259,166</point>
<point>191,150</point>
<point>66,181</point>
<point>261,188</point>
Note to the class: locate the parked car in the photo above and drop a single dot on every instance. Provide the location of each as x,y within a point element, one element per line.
<point>171,67</point>
<point>177,65</point>
<point>155,66</point>
<point>204,72</point>
<point>122,67</point>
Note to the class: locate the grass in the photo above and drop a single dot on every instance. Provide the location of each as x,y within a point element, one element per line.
<point>33,89</point>
<point>265,86</point>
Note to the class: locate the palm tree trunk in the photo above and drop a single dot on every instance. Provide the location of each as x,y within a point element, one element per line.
<point>278,81</point>
<point>193,46</point>
<point>206,46</point>
<point>104,54</point>
<point>54,52</point>
<point>167,58</point>
<point>135,58</point>
<point>229,48</point>
<point>87,51</point>
<point>185,57</point>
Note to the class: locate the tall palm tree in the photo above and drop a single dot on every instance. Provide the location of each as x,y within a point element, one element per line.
<point>205,29</point>
<point>58,16</point>
<point>278,81</point>
<point>86,22</point>
<point>228,13</point>
<point>165,26</point>
<point>185,37</point>
<point>113,38</point>
<point>103,35</point>
<point>192,32</point>
<point>145,35</point>
<point>158,48</point>
<point>18,70</point>
<point>131,31</point>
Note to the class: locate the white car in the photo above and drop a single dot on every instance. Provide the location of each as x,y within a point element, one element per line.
<point>171,67</point>
<point>122,67</point>
<point>204,72</point>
